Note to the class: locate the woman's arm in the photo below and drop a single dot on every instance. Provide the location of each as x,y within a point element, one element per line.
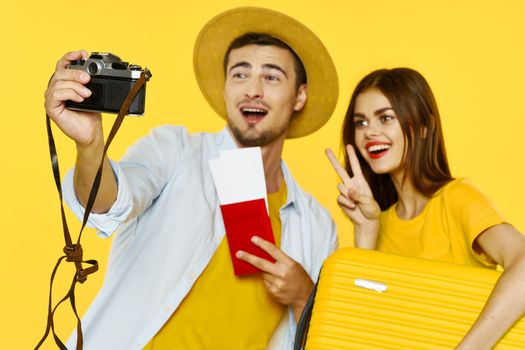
<point>506,304</point>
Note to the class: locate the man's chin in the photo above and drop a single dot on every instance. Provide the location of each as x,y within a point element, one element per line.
<point>251,141</point>
<point>253,138</point>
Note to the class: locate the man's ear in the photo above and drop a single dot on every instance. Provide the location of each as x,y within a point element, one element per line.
<point>301,98</point>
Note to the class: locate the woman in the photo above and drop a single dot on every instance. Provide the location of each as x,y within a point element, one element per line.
<point>398,192</point>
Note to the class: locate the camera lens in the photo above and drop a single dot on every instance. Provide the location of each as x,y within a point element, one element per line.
<point>92,68</point>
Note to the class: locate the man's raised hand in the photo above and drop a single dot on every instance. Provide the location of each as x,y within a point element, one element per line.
<point>285,279</point>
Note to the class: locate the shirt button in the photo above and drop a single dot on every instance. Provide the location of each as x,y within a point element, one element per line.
<point>166,309</point>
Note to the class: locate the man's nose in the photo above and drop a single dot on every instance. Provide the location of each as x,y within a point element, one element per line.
<point>254,89</point>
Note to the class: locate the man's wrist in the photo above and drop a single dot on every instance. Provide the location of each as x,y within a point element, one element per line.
<point>303,297</point>
<point>91,151</point>
<point>299,304</point>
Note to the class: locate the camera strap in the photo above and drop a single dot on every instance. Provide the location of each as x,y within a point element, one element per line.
<point>73,251</point>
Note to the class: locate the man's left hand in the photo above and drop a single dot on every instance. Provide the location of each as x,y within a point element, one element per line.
<point>285,279</point>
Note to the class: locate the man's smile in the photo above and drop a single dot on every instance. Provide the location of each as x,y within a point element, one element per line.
<point>253,113</point>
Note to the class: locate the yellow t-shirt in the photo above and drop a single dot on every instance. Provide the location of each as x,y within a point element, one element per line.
<point>446,229</point>
<point>224,311</point>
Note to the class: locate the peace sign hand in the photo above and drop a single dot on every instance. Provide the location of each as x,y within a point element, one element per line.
<point>356,200</point>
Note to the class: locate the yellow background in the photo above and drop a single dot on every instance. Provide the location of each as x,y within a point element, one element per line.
<point>472,53</point>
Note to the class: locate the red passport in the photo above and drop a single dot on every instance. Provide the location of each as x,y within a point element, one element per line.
<point>242,221</point>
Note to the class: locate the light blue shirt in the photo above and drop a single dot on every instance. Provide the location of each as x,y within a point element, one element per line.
<point>169,225</point>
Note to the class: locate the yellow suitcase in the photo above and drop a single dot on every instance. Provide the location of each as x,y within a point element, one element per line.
<point>371,300</point>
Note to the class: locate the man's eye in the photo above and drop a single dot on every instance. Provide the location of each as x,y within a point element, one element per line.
<point>239,75</point>
<point>272,78</point>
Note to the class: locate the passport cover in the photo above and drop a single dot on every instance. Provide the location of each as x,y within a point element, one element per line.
<point>242,221</point>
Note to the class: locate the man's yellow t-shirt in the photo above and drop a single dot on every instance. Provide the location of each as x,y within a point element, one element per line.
<point>224,311</point>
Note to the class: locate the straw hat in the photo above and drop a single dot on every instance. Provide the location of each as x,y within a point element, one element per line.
<point>216,36</point>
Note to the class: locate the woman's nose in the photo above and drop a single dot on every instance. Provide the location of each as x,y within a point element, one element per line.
<point>373,129</point>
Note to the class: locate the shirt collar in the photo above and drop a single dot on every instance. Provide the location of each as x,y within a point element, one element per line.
<point>225,141</point>
<point>291,185</point>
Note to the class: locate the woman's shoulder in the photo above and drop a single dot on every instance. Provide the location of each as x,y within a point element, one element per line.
<point>460,188</point>
<point>463,193</point>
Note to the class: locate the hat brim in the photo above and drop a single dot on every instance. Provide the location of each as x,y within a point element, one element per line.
<point>216,36</point>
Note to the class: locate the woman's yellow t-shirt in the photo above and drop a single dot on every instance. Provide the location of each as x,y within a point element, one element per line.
<point>224,311</point>
<point>447,228</point>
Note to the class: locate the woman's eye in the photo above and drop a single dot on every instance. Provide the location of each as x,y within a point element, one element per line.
<point>359,123</point>
<point>386,117</point>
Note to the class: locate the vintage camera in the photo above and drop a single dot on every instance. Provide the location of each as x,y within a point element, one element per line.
<point>111,81</point>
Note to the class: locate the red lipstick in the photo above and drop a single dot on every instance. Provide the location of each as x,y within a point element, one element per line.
<point>377,149</point>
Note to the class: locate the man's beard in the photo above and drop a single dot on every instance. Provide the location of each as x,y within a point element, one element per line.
<point>262,139</point>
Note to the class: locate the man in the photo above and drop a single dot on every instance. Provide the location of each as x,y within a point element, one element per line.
<point>170,281</point>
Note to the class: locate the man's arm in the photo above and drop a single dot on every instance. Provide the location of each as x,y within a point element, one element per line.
<point>87,164</point>
<point>85,128</point>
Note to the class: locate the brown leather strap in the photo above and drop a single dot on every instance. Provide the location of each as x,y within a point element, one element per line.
<point>73,252</point>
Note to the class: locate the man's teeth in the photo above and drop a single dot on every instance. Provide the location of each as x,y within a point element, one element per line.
<point>253,110</point>
<point>378,148</point>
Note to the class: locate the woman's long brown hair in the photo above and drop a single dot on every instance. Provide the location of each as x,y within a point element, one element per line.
<point>414,104</point>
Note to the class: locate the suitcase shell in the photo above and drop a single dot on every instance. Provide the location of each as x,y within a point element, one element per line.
<point>427,305</point>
